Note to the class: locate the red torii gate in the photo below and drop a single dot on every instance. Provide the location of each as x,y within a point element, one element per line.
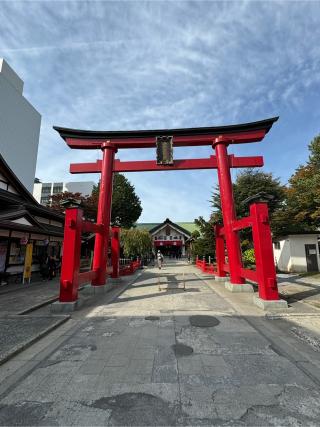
<point>219,138</point>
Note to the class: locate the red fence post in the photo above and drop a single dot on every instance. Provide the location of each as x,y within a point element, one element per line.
<point>115,251</point>
<point>69,280</point>
<point>228,211</point>
<point>220,255</point>
<point>104,213</point>
<point>262,241</point>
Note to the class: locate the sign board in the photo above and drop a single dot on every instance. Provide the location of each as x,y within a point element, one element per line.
<point>164,150</point>
<point>28,262</point>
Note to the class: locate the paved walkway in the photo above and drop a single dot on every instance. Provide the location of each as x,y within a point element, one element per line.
<point>173,349</point>
<point>16,298</point>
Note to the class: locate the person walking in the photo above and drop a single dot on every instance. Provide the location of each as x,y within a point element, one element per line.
<point>159,259</point>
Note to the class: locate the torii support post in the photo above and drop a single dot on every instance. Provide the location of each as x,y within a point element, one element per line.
<point>115,252</point>
<point>262,241</point>
<point>101,246</point>
<point>228,211</point>
<point>69,282</point>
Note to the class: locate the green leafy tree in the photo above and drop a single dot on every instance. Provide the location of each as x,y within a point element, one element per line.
<point>301,210</point>
<point>136,242</point>
<point>203,241</point>
<point>126,205</point>
<point>248,183</point>
<point>303,194</point>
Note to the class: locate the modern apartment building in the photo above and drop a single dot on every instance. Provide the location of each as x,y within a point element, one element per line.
<point>42,191</point>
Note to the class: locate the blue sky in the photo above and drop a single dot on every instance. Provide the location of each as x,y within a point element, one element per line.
<point>143,65</point>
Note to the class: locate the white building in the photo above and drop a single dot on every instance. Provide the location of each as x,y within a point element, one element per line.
<point>19,127</point>
<point>297,253</point>
<point>42,191</point>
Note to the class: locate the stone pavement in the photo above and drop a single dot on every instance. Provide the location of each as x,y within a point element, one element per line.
<point>16,298</point>
<point>295,287</point>
<point>174,349</point>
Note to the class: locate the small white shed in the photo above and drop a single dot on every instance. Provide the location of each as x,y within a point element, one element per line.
<point>297,253</point>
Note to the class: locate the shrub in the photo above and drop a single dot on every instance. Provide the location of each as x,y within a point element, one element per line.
<point>248,257</point>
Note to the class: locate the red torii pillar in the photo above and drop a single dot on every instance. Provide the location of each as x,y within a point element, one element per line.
<point>228,211</point>
<point>101,246</point>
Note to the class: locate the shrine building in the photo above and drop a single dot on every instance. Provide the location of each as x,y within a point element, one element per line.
<point>171,238</point>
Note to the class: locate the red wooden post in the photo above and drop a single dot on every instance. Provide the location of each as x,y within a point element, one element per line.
<point>104,213</point>
<point>220,255</point>
<point>228,211</point>
<point>262,241</point>
<point>115,251</point>
<point>69,280</point>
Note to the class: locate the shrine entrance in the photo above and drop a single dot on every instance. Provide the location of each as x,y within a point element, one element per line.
<point>227,234</point>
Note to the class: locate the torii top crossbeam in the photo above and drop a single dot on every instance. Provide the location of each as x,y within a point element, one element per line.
<point>240,133</point>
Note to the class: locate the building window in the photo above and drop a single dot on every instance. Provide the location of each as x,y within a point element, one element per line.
<point>46,189</point>
<point>175,237</point>
<point>3,185</point>
<point>170,237</point>
<point>57,187</point>
<point>277,245</point>
<point>44,200</point>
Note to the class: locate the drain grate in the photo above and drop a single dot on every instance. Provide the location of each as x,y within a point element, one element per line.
<point>202,321</point>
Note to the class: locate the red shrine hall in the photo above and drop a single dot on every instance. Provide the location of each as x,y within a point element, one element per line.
<point>164,140</point>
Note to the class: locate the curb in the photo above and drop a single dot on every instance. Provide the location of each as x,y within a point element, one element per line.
<point>42,304</point>
<point>118,291</point>
<point>36,338</point>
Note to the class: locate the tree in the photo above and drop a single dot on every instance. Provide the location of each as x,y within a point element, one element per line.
<point>303,194</point>
<point>203,241</point>
<point>126,205</point>
<point>301,210</point>
<point>136,242</point>
<point>248,183</point>
<point>56,200</point>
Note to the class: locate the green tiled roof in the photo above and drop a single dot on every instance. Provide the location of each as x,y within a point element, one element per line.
<point>189,226</point>
<point>146,225</point>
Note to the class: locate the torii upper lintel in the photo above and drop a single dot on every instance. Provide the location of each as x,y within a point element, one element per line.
<point>239,133</point>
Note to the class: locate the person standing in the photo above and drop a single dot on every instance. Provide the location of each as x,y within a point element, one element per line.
<point>159,259</point>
